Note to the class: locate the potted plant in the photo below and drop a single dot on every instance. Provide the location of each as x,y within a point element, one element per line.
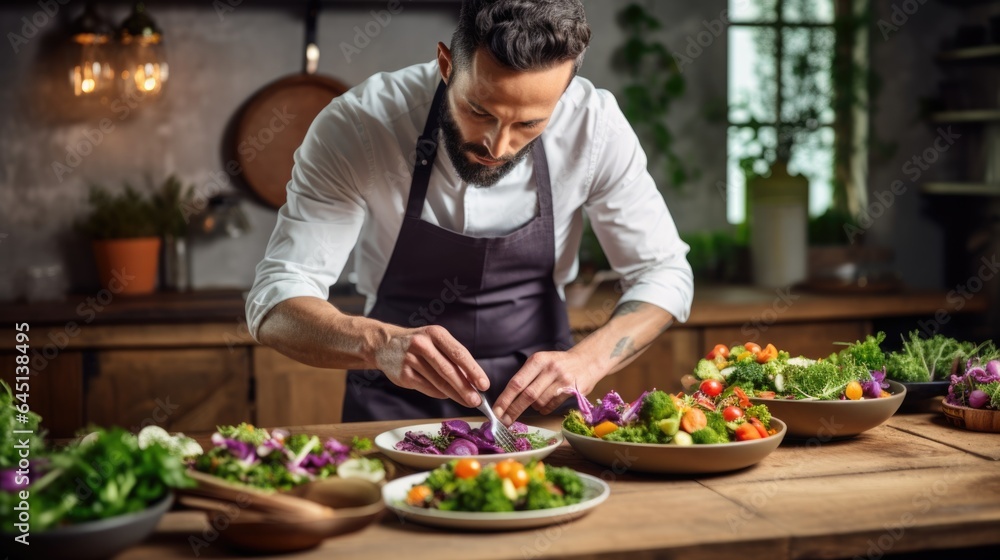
<point>124,230</point>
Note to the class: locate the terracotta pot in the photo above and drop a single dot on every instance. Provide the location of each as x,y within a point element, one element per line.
<point>128,266</point>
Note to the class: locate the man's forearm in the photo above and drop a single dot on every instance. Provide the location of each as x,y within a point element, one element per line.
<point>314,332</point>
<point>632,328</point>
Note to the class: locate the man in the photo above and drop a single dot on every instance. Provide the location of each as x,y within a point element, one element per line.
<point>463,253</point>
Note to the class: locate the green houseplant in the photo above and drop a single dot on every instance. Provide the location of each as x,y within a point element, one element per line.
<point>124,233</point>
<point>126,229</point>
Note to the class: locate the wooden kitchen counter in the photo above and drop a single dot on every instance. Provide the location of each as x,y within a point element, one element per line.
<point>913,484</point>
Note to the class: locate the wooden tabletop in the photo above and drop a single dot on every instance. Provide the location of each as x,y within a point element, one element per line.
<point>913,484</point>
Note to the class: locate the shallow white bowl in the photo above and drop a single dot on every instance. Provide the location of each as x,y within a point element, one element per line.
<point>665,458</point>
<point>386,443</point>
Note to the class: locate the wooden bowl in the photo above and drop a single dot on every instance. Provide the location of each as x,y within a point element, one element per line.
<point>971,418</point>
<point>275,522</point>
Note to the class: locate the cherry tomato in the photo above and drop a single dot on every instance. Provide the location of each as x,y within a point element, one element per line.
<point>731,413</point>
<point>853,391</point>
<point>467,468</point>
<point>711,388</point>
<point>519,477</point>
<point>752,347</point>
<point>505,467</point>
<point>720,351</point>
<point>418,495</point>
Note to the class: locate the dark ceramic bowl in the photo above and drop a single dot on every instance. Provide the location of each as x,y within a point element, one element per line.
<point>93,540</point>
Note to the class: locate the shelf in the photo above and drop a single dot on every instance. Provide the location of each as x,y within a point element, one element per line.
<point>974,115</point>
<point>971,53</point>
<point>962,189</point>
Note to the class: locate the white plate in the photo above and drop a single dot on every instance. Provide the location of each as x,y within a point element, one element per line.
<point>386,443</point>
<point>595,491</point>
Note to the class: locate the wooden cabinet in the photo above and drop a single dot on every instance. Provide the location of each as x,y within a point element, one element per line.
<point>289,393</point>
<point>185,390</point>
<point>55,389</point>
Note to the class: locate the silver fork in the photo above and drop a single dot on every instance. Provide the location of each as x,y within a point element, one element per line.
<point>500,432</point>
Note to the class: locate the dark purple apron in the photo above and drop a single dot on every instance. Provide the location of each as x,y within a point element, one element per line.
<point>495,295</point>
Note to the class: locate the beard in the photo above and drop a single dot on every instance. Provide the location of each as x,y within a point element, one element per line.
<point>471,172</point>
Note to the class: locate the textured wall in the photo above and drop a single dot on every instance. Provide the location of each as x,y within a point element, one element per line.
<point>216,62</point>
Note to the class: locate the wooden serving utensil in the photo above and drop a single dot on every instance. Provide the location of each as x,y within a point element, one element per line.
<point>266,503</point>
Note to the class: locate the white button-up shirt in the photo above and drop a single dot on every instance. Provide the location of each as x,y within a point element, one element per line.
<point>352,175</point>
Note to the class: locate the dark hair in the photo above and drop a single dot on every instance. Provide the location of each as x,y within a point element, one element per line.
<point>522,34</point>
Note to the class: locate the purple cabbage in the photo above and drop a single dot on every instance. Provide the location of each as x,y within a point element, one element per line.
<point>462,447</point>
<point>243,451</point>
<point>8,481</point>
<point>586,409</point>
<point>872,389</point>
<point>631,412</point>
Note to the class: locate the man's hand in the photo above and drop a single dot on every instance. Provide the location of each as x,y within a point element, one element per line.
<point>427,359</point>
<point>430,360</point>
<point>539,381</point>
<point>632,327</point>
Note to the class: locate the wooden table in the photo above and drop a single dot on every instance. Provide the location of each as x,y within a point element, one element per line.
<point>912,484</point>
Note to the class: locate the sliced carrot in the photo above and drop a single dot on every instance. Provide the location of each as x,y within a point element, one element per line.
<point>746,432</point>
<point>693,420</point>
<point>744,399</point>
<point>605,428</point>
<point>760,427</point>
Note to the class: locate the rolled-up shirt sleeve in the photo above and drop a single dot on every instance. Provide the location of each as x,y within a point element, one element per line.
<point>632,222</point>
<point>322,218</point>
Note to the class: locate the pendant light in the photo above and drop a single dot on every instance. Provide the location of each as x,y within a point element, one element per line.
<point>91,50</point>
<point>143,57</point>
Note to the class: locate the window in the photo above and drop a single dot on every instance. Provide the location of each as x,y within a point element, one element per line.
<point>781,61</point>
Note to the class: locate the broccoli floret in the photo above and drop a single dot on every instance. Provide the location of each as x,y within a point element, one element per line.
<point>656,406</point>
<point>567,480</point>
<point>748,374</point>
<point>634,434</point>
<point>709,435</point>
<point>575,423</point>
<point>716,422</point>
<point>760,412</point>
<point>773,368</point>
<point>868,353</point>
<point>361,443</point>
<point>821,380</point>
<point>706,369</point>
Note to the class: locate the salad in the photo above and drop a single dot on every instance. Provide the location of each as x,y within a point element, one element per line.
<point>856,372</point>
<point>107,474</point>
<point>466,485</point>
<point>711,415</point>
<point>978,387</point>
<point>457,437</point>
<point>276,460</point>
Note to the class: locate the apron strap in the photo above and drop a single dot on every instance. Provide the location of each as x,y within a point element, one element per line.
<point>542,182</point>
<point>426,153</point>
